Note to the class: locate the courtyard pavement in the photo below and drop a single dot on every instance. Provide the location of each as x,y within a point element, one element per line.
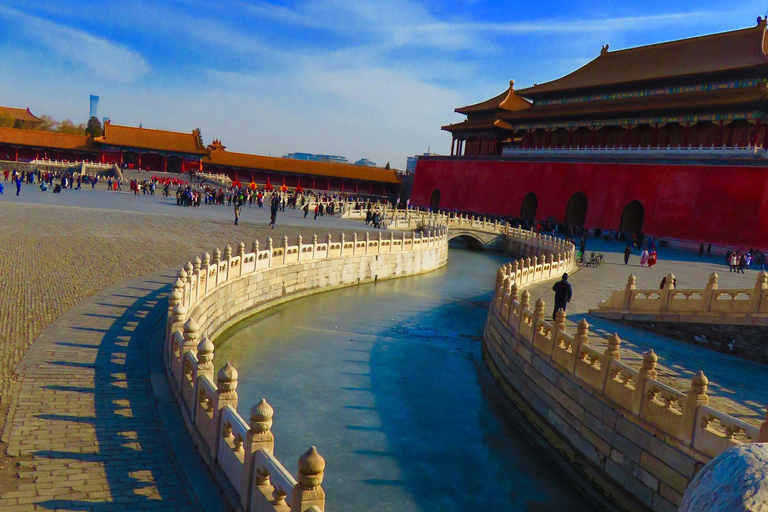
<point>68,395</point>
<point>83,275</point>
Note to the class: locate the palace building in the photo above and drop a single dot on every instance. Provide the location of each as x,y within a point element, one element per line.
<point>666,139</point>
<point>167,151</point>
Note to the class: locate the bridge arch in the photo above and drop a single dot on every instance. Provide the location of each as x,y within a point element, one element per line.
<point>434,201</point>
<point>529,206</point>
<point>576,211</point>
<point>471,240</point>
<point>632,217</point>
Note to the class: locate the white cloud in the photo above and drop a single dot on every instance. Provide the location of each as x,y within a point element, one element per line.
<point>106,58</point>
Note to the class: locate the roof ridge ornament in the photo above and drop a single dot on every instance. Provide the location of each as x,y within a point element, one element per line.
<point>511,85</point>
<point>604,49</point>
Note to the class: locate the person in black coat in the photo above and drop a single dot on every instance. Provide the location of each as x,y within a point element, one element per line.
<point>563,293</point>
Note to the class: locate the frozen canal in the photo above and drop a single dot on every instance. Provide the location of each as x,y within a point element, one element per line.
<point>383,379</point>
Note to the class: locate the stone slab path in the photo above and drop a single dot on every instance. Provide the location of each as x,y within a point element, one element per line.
<point>87,414</point>
<point>52,258</point>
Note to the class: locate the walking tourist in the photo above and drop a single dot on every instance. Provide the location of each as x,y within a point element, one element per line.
<point>701,250</point>
<point>644,257</point>
<point>563,293</point>
<point>17,179</point>
<point>627,254</point>
<point>652,258</point>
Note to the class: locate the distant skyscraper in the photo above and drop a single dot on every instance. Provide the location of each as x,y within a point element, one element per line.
<point>366,162</point>
<point>94,106</point>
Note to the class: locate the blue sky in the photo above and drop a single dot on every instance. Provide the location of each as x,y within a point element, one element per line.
<point>359,79</point>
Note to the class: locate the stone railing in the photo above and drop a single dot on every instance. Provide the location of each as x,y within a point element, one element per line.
<point>637,439</point>
<point>212,293</point>
<point>728,305</point>
<point>71,163</point>
<point>749,151</point>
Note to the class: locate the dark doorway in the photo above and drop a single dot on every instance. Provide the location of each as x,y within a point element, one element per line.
<point>174,164</point>
<point>434,202</point>
<point>576,211</point>
<point>632,217</point>
<point>530,203</point>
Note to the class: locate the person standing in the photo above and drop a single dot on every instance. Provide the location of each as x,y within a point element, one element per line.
<point>273,214</point>
<point>627,254</point>
<point>17,179</point>
<point>701,250</point>
<point>237,212</point>
<point>563,294</point>
<point>306,210</point>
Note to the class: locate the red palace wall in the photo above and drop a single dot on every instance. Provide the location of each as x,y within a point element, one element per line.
<point>706,203</point>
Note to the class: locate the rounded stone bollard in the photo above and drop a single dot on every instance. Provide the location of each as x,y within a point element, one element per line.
<point>734,481</point>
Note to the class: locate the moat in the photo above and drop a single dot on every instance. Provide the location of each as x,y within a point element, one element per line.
<point>383,378</point>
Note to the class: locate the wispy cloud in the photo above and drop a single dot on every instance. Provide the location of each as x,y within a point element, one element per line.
<point>100,55</point>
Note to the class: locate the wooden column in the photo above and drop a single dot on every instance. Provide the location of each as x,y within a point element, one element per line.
<point>720,133</point>
<point>628,137</point>
<point>655,140</point>
<point>138,165</point>
<point>121,157</point>
<point>686,133</point>
<point>165,163</point>
<point>453,144</point>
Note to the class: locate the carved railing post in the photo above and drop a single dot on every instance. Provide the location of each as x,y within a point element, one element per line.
<point>241,251</point>
<point>525,303</point>
<point>205,358</point>
<point>227,253</point>
<point>216,256</point>
<point>629,290</point>
<point>308,492</point>
<point>299,242</point>
<point>177,318</point>
<point>763,436</point>
<point>581,338</point>
<point>260,434</point>
<point>181,277</point>
<point>512,298</point>
<point>611,353</point>
<point>270,247</point>
<point>255,247</point>
<point>190,334</point>
<point>285,249</point>
<point>759,291</point>
<point>667,293</point>
<point>647,371</point>
<point>696,397</point>
<point>505,295</point>
<point>226,394</point>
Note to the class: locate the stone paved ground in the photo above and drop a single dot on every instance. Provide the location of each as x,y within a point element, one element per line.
<point>53,257</point>
<point>736,386</point>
